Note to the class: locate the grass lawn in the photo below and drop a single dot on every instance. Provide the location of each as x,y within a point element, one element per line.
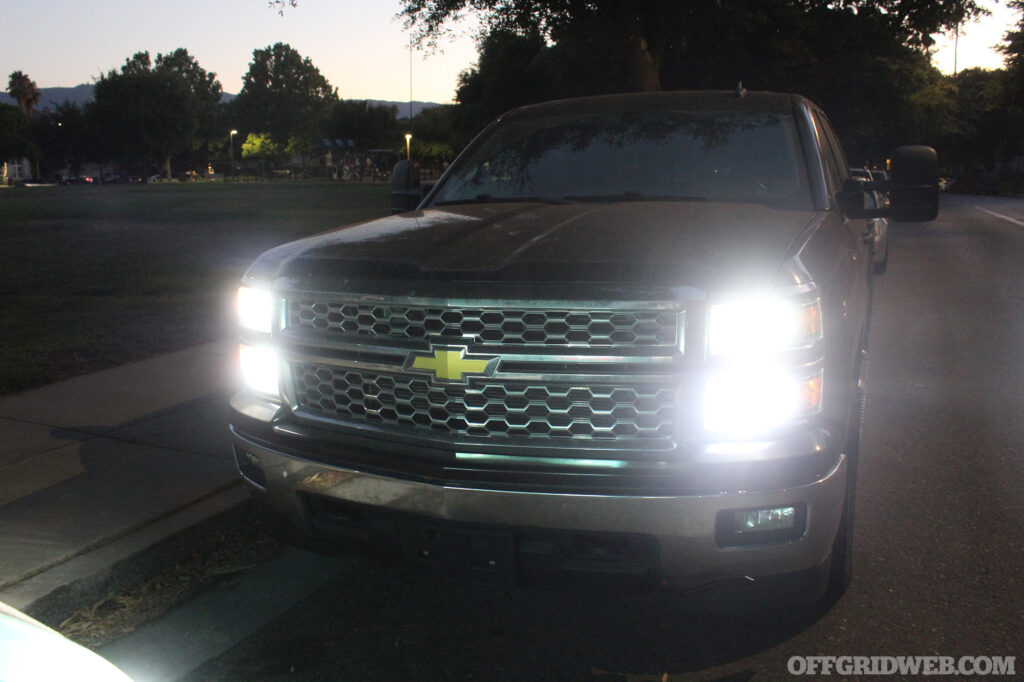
<point>92,277</point>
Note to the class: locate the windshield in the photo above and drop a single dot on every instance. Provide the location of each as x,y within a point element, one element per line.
<point>635,156</point>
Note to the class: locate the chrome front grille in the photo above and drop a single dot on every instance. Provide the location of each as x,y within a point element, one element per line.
<point>488,326</point>
<point>564,373</point>
<point>522,410</point>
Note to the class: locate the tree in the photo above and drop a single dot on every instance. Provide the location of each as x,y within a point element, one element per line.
<point>366,124</point>
<point>204,93</point>
<point>146,111</point>
<point>864,61</point>
<point>14,135</point>
<point>261,146</point>
<point>1013,88</point>
<point>880,91</point>
<point>988,132</point>
<point>1013,51</point>
<point>280,4</point>
<point>283,94</point>
<point>434,125</point>
<point>639,38</point>
<point>24,91</point>
<point>509,72</point>
<point>63,136</point>
<point>641,32</point>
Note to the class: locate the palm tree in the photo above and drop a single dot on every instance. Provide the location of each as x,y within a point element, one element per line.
<point>23,89</point>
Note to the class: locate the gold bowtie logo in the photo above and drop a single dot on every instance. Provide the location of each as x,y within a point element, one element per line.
<point>450,364</point>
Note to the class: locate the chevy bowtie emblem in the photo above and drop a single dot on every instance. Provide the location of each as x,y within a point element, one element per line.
<point>450,363</point>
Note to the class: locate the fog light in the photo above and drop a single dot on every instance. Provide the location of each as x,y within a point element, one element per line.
<point>763,519</point>
<point>738,527</point>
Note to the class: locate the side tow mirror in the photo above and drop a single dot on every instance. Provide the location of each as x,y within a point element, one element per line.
<point>914,189</point>
<point>406,193</point>
<point>852,201</point>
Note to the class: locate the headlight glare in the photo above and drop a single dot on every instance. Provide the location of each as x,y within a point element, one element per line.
<point>743,402</point>
<point>748,401</point>
<point>760,326</point>
<point>259,366</point>
<point>255,309</point>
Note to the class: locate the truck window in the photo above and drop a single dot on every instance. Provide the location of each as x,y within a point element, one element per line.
<point>636,155</point>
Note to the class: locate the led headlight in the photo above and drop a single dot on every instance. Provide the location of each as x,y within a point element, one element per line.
<point>764,325</point>
<point>259,366</point>
<point>752,388</point>
<point>748,400</point>
<point>255,309</point>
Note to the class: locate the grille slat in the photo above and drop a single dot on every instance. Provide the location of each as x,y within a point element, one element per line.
<point>484,326</point>
<point>487,408</point>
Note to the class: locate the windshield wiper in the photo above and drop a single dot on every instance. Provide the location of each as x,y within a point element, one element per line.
<point>491,199</point>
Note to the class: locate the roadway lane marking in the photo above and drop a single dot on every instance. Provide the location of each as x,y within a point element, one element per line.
<point>1000,215</point>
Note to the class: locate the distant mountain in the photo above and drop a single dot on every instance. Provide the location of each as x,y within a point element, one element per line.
<point>81,94</point>
<point>51,97</point>
<point>403,107</point>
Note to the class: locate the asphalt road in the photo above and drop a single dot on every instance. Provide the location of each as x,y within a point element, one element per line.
<point>940,528</point>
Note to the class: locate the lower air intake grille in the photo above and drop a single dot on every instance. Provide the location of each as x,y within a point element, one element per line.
<point>487,408</point>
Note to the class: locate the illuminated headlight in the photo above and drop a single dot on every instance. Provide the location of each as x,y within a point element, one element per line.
<point>259,368</point>
<point>744,401</point>
<point>255,309</point>
<point>759,326</point>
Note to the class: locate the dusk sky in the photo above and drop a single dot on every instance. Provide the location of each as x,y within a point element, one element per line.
<point>356,44</point>
<point>977,40</point>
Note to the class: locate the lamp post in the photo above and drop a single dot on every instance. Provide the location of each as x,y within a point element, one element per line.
<point>408,139</point>
<point>231,151</point>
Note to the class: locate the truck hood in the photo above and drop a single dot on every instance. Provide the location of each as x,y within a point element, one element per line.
<point>696,244</point>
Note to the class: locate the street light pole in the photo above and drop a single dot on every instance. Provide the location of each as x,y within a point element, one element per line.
<point>408,139</point>
<point>956,48</point>
<point>231,151</point>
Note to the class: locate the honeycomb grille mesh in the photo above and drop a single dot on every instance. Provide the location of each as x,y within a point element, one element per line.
<point>489,326</point>
<point>487,409</point>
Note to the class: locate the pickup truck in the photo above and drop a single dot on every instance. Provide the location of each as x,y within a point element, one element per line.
<point>620,342</point>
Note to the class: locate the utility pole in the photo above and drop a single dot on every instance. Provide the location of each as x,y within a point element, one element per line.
<point>956,46</point>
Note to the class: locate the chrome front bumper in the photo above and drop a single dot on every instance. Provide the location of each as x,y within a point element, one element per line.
<point>683,527</point>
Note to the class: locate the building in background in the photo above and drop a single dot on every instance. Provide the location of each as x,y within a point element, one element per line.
<point>14,171</point>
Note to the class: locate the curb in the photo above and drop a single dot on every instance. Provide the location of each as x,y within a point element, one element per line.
<point>54,594</point>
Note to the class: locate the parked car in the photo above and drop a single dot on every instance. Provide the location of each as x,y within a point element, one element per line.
<point>75,179</point>
<point>621,341</point>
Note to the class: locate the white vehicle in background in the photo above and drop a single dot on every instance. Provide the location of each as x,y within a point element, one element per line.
<point>32,652</point>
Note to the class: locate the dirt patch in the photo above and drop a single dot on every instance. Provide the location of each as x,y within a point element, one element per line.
<point>235,551</point>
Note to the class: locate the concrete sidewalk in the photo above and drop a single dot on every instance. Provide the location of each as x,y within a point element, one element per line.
<point>97,469</point>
